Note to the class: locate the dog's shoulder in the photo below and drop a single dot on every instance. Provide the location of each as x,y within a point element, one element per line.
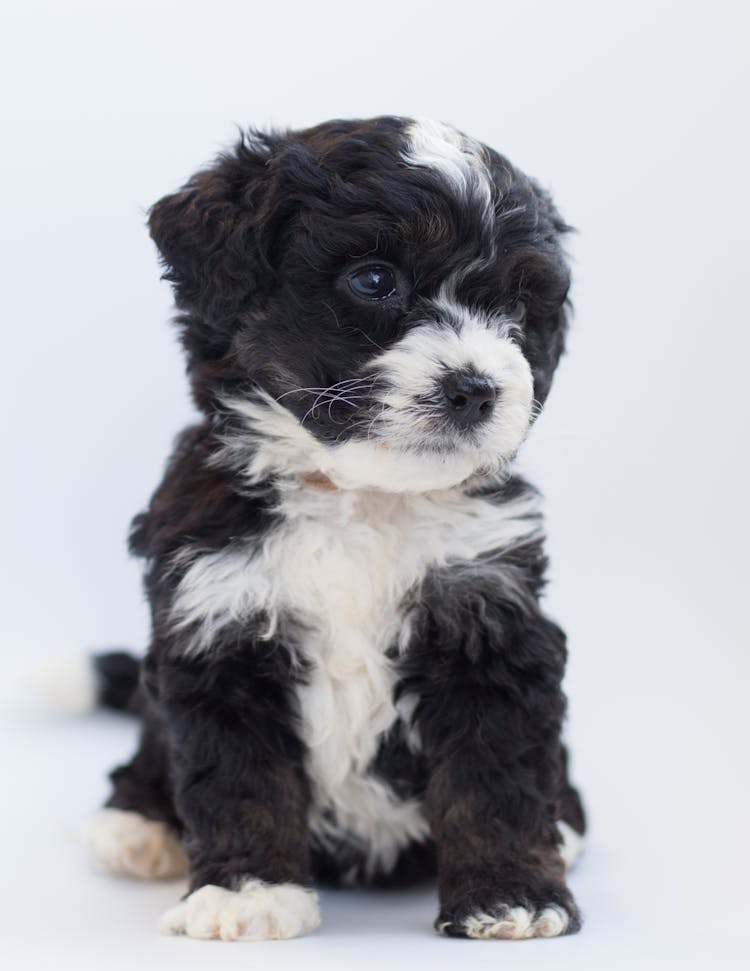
<point>506,489</point>
<point>504,562</point>
<point>197,502</point>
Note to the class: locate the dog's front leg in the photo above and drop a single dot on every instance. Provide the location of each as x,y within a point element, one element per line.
<point>241,792</point>
<point>489,716</point>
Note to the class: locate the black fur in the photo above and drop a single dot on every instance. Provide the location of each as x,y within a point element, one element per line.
<point>256,244</point>
<point>117,674</point>
<point>257,247</point>
<point>495,777</point>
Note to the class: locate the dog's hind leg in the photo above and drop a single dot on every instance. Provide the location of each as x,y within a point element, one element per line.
<point>137,834</point>
<point>572,819</point>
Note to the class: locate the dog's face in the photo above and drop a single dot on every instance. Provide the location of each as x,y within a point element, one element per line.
<point>381,301</point>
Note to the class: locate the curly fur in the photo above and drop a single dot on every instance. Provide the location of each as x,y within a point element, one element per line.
<point>350,676</point>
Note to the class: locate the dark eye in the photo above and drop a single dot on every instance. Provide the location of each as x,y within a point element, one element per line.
<point>518,311</point>
<point>373,282</point>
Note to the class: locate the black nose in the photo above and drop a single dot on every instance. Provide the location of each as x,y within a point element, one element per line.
<point>470,398</point>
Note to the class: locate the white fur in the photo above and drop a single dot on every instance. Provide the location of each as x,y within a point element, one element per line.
<point>68,683</point>
<point>256,912</point>
<point>409,445</point>
<point>129,845</point>
<point>343,554</point>
<point>516,923</point>
<point>279,444</point>
<point>459,159</point>
<point>334,576</point>
<point>406,706</point>
<point>413,367</point>
<point>572,844</point>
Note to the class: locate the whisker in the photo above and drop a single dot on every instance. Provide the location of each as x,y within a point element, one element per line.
<point>355,383</point>
<point>348,391</point>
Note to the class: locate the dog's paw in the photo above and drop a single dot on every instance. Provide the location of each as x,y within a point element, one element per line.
<point>256,912</point>
<point>506,923</point>
<point>129,845</point>
<point>512,920</point>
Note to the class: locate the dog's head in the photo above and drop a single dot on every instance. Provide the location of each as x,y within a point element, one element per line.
<point>379,301</point>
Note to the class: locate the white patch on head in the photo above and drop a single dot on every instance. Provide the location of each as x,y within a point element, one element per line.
<point>459,159</point>
<point>257,911</point>
<point>68,683</point>
<point>333,577</point>
<point>572,843</point>
<point>129,845</point>
<point>516,923</point>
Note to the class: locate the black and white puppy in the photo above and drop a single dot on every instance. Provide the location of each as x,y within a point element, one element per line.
<point>350,677</point>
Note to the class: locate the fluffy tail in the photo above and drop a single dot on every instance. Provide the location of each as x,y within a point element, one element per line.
<point>87,681</point>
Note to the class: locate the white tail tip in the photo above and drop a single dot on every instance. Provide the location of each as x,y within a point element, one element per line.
<point>67,684</point>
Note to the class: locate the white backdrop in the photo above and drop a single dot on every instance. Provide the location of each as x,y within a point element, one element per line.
<point>635,115</point>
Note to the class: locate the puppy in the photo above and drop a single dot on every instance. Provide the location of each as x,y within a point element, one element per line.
<point>350,677</point>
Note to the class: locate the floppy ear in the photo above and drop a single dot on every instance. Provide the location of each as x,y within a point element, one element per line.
<point>535,268</point>
<point>212,237</point>
<point>547,328</point>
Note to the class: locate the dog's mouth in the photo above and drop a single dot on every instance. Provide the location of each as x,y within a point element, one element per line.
<point>434,410</point>
<point>269,441</point>
<point>422,451</point>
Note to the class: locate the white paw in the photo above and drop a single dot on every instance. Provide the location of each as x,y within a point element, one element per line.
<point>129,845</point>
<point>256,912</point>
<point>517,923</point>
<point>572,843</point>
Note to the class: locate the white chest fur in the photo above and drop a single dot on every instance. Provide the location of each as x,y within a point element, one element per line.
<point>338,568</point>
